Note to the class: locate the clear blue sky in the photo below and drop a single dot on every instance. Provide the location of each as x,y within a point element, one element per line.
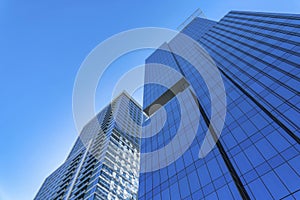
<point>42,45</point>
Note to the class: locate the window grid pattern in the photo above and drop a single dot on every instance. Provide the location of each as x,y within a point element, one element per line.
<point>263,67</point>
<point>181,179</point>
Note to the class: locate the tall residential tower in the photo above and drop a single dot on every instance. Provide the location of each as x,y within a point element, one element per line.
<point>104,162</point>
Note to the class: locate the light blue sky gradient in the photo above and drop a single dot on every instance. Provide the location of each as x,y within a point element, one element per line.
<point>42,45</point>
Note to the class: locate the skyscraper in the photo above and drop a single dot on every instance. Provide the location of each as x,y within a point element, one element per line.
<point>104,162</point>
<point>257,155</point>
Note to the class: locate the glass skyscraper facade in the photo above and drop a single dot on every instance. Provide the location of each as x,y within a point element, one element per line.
<point>257,155</point>
<point>104,162</point>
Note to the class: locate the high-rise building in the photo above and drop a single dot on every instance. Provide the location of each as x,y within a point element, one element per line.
<point>104,162</point>
<point>258,154</point>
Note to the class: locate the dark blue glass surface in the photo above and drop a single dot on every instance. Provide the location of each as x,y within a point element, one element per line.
<point>258,56</point>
